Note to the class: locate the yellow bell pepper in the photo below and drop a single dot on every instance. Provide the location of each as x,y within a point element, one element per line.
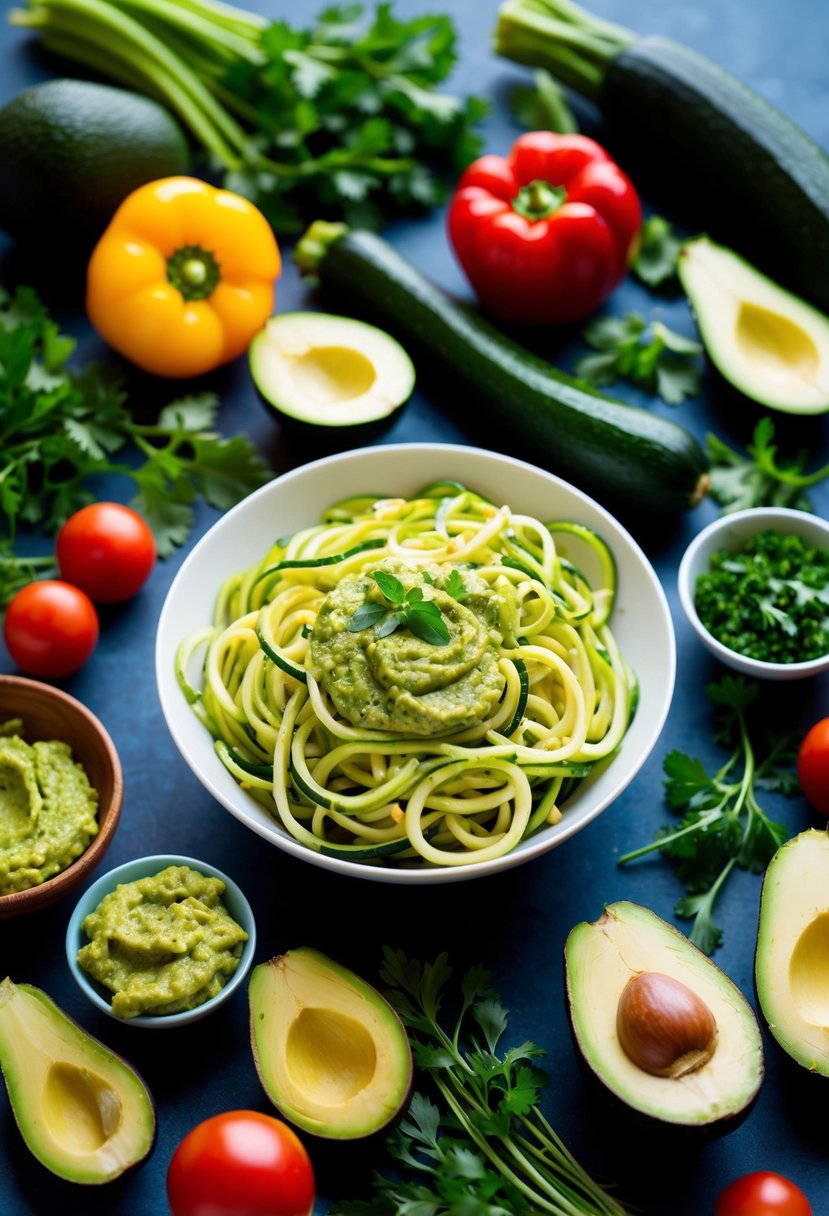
<point>183,277</point>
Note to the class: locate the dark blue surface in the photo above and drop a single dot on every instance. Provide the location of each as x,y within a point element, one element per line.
<point>515,924</point>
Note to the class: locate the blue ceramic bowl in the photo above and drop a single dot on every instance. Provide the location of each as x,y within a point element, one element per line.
<point>143,867</point>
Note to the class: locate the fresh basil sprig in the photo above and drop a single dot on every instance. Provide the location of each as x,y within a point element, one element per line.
<point>421,616</point>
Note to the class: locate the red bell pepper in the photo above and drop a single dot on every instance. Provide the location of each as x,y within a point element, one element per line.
<point>546,233</point>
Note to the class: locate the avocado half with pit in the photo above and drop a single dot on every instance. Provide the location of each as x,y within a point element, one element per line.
<point>331,1053</point>
<point>791,968</point>
<point>768,343</point>
<point>83,1111</point>
<point>661,1026</point>
<point>330,373</point>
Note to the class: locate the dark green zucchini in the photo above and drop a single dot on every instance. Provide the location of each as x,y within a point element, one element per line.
<point>701,140</point>
<point>748,172</point>
<point>511,398</point>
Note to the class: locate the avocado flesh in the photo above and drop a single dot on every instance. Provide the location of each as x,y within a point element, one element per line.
<point>792,957</point>
<point>600,960</point>
<point>769,344</point>
<point>329,371</point>
<point>82,1111</point>
<point>331,1053</point>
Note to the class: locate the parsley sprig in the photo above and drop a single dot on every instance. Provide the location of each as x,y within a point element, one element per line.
<point>658,255</point>
<point>757,478</point>
<point>648,355</point>
<point>722,824</point>
<point>411,609</point>
<point>60,430</point>
<point>483,1147</point>
<point>342,119</point>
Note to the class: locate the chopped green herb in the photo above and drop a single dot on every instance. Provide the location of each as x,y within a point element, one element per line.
<point>483,1147</point>
<point>60,429</point>
<point>769,600</point>
<point>656,262</point>
<point>651,356</point>
<point>757,478</point>
<point>722,824</point>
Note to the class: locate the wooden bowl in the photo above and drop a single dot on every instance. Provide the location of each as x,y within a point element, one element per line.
<point>49,713</point>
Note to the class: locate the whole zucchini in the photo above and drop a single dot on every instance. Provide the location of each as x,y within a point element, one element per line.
<point>735,165</point>
<point>608,448</point>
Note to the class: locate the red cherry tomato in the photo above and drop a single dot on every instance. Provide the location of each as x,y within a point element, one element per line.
<point>107,550</point>
<point>813,765</point>
<point>241,1163</point>
<point>50,628</point>
<point>762,1194</point>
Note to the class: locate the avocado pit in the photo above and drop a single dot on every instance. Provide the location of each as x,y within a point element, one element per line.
<point>663,1026</point>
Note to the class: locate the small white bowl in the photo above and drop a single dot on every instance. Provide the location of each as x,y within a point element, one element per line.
<point>144,867</point>
<point>731,532</point>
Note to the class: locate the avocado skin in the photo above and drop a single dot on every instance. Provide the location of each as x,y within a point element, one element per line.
<point>73,150</point>
<point>281,993</point>
<point>104,1063</point>
<point>312,439</point>
<point>669,1134</point>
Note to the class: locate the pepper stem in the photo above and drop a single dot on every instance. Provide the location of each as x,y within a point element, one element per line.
<point>194,272</point>
<point>539,199</point>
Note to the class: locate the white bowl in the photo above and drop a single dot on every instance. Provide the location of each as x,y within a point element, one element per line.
<point>641,621</point>
<point>731,532</point>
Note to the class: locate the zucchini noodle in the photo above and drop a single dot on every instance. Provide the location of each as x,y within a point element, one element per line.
<point>379,744</point>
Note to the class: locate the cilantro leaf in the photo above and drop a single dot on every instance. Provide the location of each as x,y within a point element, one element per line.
<point>60,429</point>
<point>656,262</point>
<point>757,478</point>
<point>651,356</point>
<point>456,587</point>
<point>482,1147</point>
<point>722,824</point>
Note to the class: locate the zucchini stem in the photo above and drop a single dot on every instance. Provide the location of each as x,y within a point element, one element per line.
<point>561,37</point>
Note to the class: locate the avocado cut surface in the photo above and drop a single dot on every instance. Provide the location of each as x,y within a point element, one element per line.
<point>82,1110</point>
<point>769,344</point>
<point>629,941</point>
<point>331,1052</point>
<point>792,958</point>
<point>330,371</point>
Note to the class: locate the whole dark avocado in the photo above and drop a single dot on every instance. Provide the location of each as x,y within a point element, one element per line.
<point>72,151</point>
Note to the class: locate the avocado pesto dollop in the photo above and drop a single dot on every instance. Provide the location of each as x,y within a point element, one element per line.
<point>398,681</point>
<point>162,944</point>
<point>48,809</point>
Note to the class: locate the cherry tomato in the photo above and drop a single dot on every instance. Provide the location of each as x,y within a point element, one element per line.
<point>762,1194</point>
<point>241,1163</point>
<point>50,628</point>
<point>107,550</point>
<point>813,765</point>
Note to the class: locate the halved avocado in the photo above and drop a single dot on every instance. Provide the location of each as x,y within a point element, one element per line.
<point>82,1110</point>
<point>693,1054</point>
<point>792,959</point>
<point>331,1053</point>
<point>769,344</point>
<point>320,370</point>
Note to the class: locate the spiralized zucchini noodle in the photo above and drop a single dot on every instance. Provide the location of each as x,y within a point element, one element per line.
<point>372,744</point>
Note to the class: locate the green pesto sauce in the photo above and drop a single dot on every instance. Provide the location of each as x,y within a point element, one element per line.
<point>48,809</point>
<point>162,944</point>
<point>399,682</point>
<point>769,600</point>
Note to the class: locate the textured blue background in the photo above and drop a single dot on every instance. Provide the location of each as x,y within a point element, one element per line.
<point>515,924</point>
